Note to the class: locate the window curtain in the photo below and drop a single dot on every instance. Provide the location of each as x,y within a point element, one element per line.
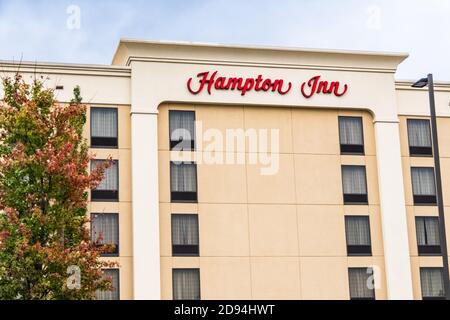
<point>358,231</point>
<point>427,229</point>
<point>423,181</point>
<point>350,131</point>
<point>104,123</point>
<point>354,180</point>
<point>112,274</point>
<point>359,283</point>
<point>105,226</point>
<point>185,229</point>
<point>432,282</point>
<point>111,179</point>
<point>182,125</point>
<point>186,284</point>
<point>419,133</point>
<point>183,177</point>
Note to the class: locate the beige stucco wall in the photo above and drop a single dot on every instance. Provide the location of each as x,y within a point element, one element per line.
<point>414,104</point>
<point>123,207</point>
<point>413,211</point>
<point>160,72</point>
<point>272,237</point>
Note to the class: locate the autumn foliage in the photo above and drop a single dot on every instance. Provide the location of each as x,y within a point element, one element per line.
<point>44,180</point>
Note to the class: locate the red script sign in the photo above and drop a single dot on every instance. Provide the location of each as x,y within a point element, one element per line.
<point>211,81</point>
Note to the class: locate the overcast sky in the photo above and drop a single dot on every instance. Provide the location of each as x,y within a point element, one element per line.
<point>48,30</point>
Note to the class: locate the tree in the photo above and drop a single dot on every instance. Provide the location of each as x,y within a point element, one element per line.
<point>45,247</point>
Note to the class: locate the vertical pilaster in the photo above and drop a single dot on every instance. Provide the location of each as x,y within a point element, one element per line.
<point>146,250</point>
<point>393,211</point>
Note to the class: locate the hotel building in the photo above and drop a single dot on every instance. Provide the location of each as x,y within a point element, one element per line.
<point>349,211</point>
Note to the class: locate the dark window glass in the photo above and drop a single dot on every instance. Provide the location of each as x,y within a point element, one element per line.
<point>108,189</point>
<point>419,137</point>
<point>351,135</point>
<point>183,182</point>
<point>182,130</point>
<point>114,294</point>
<point>358,235</point>
<point>432,283</point>
<point>186,284</point>
<point>354,184</point>
<point>104,131</point>
<point>424,188</point>
<point>361,284</point>
<point>185,240</point>
<point>105,232</point>
<point>427,231</point>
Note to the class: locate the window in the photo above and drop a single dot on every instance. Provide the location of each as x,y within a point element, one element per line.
<point>186,284</point>
<point>185,235</point>
<point>351,135</point>
<point>354,184</point>
<point>182,130</point>
<point>432,283</point>
<point>183,182</point>
<point>427,230</point>
<point>104,125</point>
<point>361,284</point>
<point>419,136</point>
<point>105,231</point>
<point>108,189</point>
<point>358,235</point>
<point>114,294</point>
<point>424,188</point>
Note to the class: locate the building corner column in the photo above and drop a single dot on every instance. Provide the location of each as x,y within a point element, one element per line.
<point>145,207</point>
<point>393,211</point>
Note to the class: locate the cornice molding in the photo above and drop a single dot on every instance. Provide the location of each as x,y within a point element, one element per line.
<point>64,69</point>
<point>406,85</point>
<point>129,51</point>
<point>132,59</point>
